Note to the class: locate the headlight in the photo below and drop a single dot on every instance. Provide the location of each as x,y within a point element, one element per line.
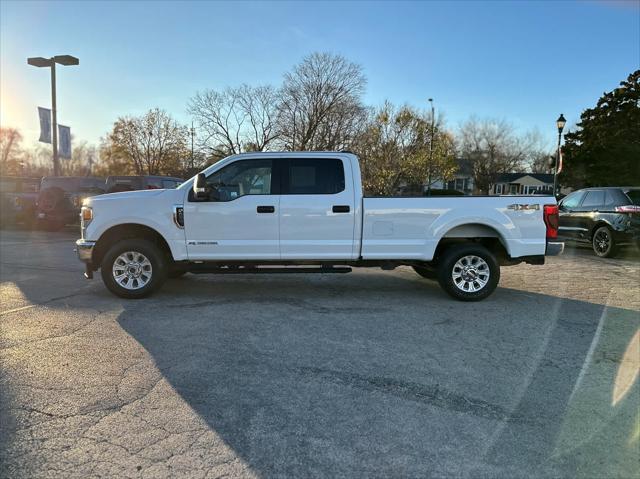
<point>86,214</point>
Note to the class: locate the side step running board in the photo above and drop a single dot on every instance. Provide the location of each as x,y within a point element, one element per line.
<point>269,270</point>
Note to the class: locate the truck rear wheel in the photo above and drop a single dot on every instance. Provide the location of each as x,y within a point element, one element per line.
<point>468,272</point>
<point>133,268</point>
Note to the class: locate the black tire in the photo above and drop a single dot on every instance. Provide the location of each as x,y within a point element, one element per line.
<point>477,289</point>
<point>603,243</point>
<point>426,272</point>
<point>155,276</point>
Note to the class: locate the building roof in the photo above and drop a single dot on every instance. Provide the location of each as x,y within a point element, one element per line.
<point>513,177</point>
<point>465,167</point>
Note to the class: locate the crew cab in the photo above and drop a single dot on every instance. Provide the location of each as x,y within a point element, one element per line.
<point>305,212</point>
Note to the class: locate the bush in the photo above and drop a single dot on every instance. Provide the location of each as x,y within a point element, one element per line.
<point>444,192</point>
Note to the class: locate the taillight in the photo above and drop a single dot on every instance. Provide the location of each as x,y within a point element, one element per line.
<point>551,219</point>
<point>628,209</point>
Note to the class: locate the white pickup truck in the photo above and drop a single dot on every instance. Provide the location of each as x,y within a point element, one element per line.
<point>305,212</point>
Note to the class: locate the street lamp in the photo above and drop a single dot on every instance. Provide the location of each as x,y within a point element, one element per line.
<point>433,122</point>
<point>40,62</point>
<point>560,122</point>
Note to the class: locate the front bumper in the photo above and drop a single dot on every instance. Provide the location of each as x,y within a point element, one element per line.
<point>84,249</point>
<point>554,249</point>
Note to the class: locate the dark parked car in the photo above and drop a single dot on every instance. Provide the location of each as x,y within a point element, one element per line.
<point>606,218</point>
<point>60,199</point>
<point>115,184</point>
<point>18,197</point>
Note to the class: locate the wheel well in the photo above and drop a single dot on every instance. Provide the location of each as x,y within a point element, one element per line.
<point>596,226</point>
<point>474,233</point>
<point>127,231</point>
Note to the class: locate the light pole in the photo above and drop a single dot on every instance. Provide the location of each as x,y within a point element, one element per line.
<point>66,60</point>
<point>193,133</point>
<point>431,140</point>
<point>560,122</point>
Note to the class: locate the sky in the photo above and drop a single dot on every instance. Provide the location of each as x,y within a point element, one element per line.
<point>522,61</point>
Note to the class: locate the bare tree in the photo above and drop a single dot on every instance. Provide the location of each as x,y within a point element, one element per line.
<point>153,143</point>
<point>235,119</point>
<point>493,148</point>
<point>11,153</point>
<point>321,107</point>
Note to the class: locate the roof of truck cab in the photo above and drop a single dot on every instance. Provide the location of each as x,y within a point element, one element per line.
<point>319,154</point>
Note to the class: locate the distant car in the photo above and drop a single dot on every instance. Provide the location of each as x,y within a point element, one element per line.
<point>115,184</point>
<point>18,196</point>
<point>607,218</point>
<point>60,199</point>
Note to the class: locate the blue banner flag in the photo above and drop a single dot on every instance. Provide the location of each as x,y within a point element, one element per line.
<point>45,124</point>
<point>64,141</point>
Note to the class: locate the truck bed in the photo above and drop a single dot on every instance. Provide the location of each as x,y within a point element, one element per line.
<point>410,228</point>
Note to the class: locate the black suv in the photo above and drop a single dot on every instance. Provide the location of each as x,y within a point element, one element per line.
<point>606,218</point>
<point>60,199</point>
<point>115,184</point>
<point>18,197</point>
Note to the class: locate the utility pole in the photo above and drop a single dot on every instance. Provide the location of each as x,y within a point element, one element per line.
<point>431,140</point>
<point>54,121</point>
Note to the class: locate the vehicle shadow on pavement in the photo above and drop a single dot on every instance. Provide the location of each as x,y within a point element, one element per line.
<point>384,375</point>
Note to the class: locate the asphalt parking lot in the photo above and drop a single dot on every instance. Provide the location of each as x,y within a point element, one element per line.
<point>370,374</point>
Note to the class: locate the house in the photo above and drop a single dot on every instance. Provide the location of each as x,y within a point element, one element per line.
<point>523,184</point>
<point>462,180</point>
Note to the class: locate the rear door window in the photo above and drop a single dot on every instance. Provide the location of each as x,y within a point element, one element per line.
<point>615,198</point>
<point>594,199</point>
<point>314,177</point>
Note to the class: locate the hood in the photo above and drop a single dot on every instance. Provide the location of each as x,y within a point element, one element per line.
<point>128,195</point>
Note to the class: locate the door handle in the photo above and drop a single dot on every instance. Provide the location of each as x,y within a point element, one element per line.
<point>266,209</point>
<point>341,209</point>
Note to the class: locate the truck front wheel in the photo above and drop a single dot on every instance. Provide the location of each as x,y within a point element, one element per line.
<point>133,268</point>
<point>468,272</point>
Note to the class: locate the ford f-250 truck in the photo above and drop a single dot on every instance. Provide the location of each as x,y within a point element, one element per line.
<point>305,212</point>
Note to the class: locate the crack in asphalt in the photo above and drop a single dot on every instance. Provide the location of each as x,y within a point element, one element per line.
<point>296,303</point>
<point>46,268</point>
<point>432,395</point>
<point>82,292</point>
<point>57,336</point>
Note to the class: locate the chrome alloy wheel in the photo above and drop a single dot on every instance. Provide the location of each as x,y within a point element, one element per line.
<point>132,270</point>
<point>470,273</point>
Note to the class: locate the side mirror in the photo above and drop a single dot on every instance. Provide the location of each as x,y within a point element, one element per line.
<point>200,189</point>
